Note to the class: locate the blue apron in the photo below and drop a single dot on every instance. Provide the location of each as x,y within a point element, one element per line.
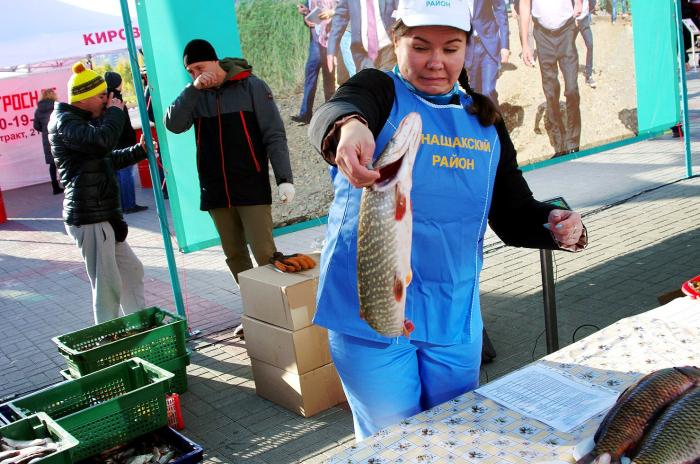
<point>453,179</point>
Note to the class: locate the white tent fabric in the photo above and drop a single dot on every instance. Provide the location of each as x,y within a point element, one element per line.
<point>37,31</point>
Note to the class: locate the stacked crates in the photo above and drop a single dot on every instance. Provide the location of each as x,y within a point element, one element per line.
<point>105,408</point>
<point>152,334</point>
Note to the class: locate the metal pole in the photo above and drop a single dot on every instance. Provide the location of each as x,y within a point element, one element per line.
<point>684,90</point>
<point>550,303</point>
<point>153,165</point>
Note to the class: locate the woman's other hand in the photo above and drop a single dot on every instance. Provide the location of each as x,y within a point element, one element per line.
<point>354,152</point>
<point>566,226</point>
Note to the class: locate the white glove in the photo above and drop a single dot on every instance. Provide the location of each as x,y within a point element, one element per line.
<point>286,191</point>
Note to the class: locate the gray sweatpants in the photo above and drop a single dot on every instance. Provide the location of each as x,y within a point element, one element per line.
<point>116,274</point>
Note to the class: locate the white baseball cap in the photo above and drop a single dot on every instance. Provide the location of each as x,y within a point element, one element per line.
<point>453,13</point>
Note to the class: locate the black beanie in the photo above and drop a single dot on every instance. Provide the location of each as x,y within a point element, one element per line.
<point>198,50</point>
<point>113,79</point>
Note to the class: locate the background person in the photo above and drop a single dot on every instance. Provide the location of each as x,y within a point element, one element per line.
<point>84,153</point>
<point>238,131</point>
<point>316,60</point>
<point>583,26</point>
<point>386,380</point>
<point>489,46</point>
<point>127,189</point>
<point>554,33</point>
<point>370,24</point>
<point>41,121</point>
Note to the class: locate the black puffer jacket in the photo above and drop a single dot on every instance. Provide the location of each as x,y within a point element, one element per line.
<point>86,162</point>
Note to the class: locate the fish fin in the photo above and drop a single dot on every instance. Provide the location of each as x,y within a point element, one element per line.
<point>408,328</point>
<point>409,277</point>
<point>691,372</point>
<point>362,314</point>
<point>398,288</point>
<point>400,204</point>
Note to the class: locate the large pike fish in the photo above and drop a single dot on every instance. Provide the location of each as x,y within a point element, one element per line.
<point>636,409</point>
<point>675,436</point>
<point>385,229</point>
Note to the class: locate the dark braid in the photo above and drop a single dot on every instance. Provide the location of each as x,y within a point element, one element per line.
<point>482,106</point>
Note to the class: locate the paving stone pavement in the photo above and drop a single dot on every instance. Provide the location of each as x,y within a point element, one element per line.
<point>642,220</point>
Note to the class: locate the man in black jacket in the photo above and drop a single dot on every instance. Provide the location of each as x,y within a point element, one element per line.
<point>238,130</point>
<point>86,160</point>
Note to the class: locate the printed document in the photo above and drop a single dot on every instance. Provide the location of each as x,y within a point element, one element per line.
<point>549,396</point>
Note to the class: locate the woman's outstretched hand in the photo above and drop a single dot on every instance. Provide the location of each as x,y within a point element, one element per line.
<point>354,152</point>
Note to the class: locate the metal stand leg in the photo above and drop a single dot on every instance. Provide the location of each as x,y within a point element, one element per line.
<point>550,303</point>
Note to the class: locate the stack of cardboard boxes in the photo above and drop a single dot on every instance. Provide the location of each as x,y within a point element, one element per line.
<point>290,356</point>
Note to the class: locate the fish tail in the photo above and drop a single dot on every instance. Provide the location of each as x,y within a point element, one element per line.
<point>408,327</point>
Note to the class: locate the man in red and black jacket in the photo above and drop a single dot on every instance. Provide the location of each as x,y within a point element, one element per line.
<point>238,128</point>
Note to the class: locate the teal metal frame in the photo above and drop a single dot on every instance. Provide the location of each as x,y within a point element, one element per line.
<point>684,90</point>
<point>152,163</point>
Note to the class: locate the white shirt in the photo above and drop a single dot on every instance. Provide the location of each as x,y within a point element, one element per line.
<point>552,14</point>
<point>584,11</point>
<point>382,37</point>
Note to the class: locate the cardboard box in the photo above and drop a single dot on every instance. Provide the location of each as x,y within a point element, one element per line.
<point>283,299</point>
<point>297,352</point>
<point>306,394</point>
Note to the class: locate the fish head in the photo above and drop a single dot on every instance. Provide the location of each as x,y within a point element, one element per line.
<point>395,163</point>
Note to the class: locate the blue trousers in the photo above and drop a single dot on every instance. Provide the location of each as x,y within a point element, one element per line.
<point>127,190</point>
<point>387,383</point>
<point>482,69</point>
<point>315,62</point>
<point>623,9</point>
<point>584,27</point>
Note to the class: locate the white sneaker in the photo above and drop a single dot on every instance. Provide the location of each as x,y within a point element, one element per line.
<point>591,83</point>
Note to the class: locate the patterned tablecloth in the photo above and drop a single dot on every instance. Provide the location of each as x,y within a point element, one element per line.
<point>474,429</point>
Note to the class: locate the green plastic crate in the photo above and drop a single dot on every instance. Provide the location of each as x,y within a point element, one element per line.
<point>42,426</point>
<point>105,408</point>
<point>159,336</point>
<point>177,366</point>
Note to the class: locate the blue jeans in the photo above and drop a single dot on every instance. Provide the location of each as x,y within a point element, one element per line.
<point>584,28</point>
<point>346,53</point>
<point>315,62</point>
<point>127,190</point>
<point>623,8</point>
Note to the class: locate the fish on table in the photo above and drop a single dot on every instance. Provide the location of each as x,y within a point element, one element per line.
<point>675,436</point>
<point>637,410</point>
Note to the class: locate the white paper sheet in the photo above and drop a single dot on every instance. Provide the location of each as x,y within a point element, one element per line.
<point>685,311</point>
<point>548,396</point>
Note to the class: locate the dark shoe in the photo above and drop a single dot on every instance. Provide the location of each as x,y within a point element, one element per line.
<point>135,209</point>
<point>301,119</point>
<point>57,191</point>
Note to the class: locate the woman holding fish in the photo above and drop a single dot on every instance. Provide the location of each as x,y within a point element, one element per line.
<point>418,166</point>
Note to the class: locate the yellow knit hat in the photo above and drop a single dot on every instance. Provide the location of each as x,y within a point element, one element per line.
<point>84,83</point>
